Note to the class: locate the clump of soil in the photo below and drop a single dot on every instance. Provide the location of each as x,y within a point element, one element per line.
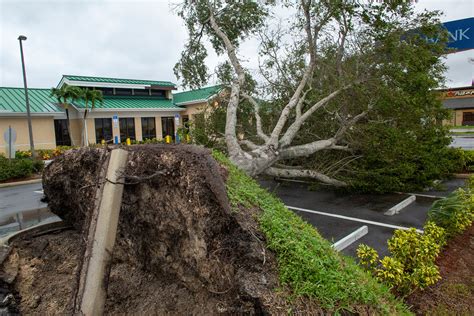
<point>180,248</point>
<point>454,294</point>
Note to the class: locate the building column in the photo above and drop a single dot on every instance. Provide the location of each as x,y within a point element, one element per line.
<point>138,128</point>
<point>159,130</point>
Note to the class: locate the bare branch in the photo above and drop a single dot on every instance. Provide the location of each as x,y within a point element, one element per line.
<point>307,149</point>
<point>304,173</point>
<point>258,119</point>
<point>231,116</point>
<point>304,80</point>
<point>295,127</point>
<point>249,144</point>
<point>300,104</point>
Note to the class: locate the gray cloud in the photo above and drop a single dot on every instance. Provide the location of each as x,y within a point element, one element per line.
<point>130,39</point>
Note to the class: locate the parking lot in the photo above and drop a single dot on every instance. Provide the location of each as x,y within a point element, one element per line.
<point>337,215</point>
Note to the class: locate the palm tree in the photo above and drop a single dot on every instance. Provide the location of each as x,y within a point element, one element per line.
<point>64,95</point>
<point>91,96</point>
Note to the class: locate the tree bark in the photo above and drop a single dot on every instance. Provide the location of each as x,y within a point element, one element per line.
<point>304,173</point>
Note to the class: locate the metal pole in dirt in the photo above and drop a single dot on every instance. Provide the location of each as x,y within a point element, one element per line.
<point>28,113</point>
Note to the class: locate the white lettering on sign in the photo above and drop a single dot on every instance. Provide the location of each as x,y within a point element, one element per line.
<point>460,93</point>
<point>459,34</point>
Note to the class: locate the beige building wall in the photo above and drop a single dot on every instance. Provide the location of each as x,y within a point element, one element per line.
<point>43,133</point>
<point>193,109</point>
<point>45,138</point>
<point>457,117</point>
<point>75,126</point>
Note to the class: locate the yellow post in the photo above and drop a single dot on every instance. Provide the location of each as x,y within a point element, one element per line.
<point>188,138</point>
<point>168,139</point>
<point>128,142</point>
<point>102,142</point>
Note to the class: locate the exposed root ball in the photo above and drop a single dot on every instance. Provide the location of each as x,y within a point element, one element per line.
<point>179,246</point>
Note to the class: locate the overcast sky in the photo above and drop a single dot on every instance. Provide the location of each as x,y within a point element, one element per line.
<point>127,39</point>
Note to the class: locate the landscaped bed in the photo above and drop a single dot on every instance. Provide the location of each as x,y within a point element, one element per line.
<point>454,294</point>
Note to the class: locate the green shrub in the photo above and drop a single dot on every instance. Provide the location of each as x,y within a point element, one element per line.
<point>455,213</point>
<point>16,168</point>
<point>38,165</point>
<point>412,262</point>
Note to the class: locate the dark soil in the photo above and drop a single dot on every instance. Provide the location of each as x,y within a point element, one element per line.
<point>179,249</point>
<point>454,294</point>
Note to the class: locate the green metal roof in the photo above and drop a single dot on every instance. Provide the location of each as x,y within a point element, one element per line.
<point>120,80</point>
<point>136,102</point>
<point>197,95</point>
<point>13,100</point>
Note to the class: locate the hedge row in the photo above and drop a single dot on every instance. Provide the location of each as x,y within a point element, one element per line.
<point>19,168</point>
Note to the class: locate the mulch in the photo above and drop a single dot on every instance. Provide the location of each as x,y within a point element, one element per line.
<point>454,294</point>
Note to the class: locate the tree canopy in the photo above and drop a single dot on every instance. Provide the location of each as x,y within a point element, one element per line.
<point>336,81</point>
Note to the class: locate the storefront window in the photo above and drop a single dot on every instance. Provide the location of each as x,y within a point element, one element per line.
<point>62,133</point>
<point>148,128</point>
<point>468,118</point>
<point>127,129</point>
<point>167,124</point>
<point>103,130</point>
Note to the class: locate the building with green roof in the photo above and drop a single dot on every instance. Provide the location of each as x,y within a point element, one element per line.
<point>131,108</point>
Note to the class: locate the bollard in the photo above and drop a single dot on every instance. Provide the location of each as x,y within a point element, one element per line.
<point>128,142</point>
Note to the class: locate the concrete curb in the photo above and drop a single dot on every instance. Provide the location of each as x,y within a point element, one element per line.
<point>400,206</point>
<point>351,238</point>
<point>17,183</point>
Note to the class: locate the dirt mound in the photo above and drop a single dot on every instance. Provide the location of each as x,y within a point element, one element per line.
<point>180,248</point>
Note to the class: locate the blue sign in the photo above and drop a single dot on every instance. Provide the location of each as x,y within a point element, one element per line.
<point>461,34</point>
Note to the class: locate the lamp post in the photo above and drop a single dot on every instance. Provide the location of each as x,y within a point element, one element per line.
<point>28,113</point>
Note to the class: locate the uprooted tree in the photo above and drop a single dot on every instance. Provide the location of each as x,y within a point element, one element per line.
<point>326,61</point>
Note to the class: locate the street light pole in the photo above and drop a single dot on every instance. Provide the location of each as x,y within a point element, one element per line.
<point>28,113</point>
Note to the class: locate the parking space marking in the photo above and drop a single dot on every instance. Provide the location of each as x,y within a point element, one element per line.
<point>39,192</point>
<point>351,218</point>
<point>351,238</point>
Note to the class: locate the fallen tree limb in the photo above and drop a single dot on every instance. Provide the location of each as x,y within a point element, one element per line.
<point>304,173</point>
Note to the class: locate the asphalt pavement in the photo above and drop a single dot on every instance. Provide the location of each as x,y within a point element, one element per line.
<point>21,207</point>
<point>465,142</point>
<point>359,207</point>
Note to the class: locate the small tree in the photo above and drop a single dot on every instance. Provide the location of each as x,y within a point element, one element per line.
<point>64,95</point>
<point>91,96</point>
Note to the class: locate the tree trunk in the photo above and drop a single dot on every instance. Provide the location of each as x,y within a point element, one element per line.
<point>84,130</point>
<point>68,126</point>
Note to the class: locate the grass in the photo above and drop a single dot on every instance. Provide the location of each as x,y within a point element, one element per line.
<point>308,264</point>
<point>462,127</point>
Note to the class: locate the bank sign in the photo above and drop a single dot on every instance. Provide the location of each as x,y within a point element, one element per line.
<point>461,34</point>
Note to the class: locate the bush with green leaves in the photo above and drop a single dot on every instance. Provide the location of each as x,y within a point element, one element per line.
<point>412,262</point>
<point>18,168</point>
<point>455,213</point>
<point>462,160</point>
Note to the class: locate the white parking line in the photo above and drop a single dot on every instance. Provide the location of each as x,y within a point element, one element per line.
<point>39,192</point>
<point>351,238</point>
<point>351,218</point>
